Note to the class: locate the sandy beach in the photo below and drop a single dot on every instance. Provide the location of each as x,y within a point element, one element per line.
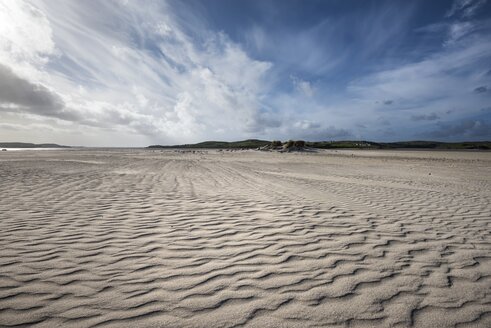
<point>152,238</point>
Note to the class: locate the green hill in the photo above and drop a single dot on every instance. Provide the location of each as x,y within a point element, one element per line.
<point>345,144</point>
<point>483,145</point>
<point>29,145</point>
<point>247,144</point>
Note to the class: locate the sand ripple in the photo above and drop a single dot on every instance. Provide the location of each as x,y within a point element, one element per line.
<point>159,239</point>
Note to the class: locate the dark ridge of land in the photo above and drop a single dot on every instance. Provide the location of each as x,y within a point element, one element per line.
<point>29,145</point>
<point>483,145</point>
<point>246,144</point>
<point>346,144</point>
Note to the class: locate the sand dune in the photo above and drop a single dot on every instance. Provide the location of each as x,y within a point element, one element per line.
<point>162,239</point>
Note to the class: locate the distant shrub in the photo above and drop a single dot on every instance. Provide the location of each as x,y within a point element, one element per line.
<point>289,144</point>
<point>299,143</point>
<point>276,143</point>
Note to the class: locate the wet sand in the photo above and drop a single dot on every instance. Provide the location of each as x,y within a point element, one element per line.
<point>146,238</point>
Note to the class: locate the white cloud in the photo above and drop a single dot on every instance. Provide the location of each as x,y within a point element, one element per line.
<point>462,12</point>
<point>465,8</point>
<point>305,87</point>
<point>25,39</point>
<point>459,30</point>
<point>124,66</point>
<point>305,125</point>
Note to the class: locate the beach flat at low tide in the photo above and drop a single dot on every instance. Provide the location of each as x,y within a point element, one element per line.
<point>144,238</point>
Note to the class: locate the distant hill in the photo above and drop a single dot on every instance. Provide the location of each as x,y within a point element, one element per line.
<point>246,144</point>
<point>345,144</point>
<point>483,145</point>
<point>29,145</point>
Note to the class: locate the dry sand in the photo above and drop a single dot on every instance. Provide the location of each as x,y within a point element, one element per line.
<point>143,238</point>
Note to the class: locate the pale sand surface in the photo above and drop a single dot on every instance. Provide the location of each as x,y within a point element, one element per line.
<point>140,238</point>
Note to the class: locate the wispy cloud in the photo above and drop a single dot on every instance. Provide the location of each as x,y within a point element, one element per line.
<point>150,76</point>
<point>465,8</point>
<point>435,84</point>
<point>304,87</point>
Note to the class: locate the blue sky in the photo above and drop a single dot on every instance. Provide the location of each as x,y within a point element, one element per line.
<point>133,73</point>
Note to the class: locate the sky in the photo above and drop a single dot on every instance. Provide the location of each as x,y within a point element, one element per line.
<point>136,73</point>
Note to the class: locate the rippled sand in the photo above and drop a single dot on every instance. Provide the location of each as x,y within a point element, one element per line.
<point>142,238</point>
